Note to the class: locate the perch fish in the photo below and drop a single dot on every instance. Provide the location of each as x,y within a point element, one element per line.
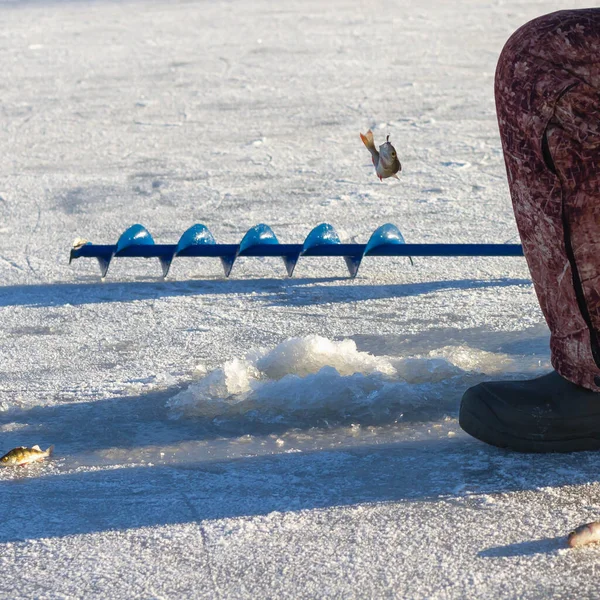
<point>385,160</point>
<point>23,455</point>
<point>584,534</point>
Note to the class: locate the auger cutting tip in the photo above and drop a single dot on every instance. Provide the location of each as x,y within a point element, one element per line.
<point>353,264</point>
<point>103,263</point>
<point>165,264</point>
<point>290,264</point>
<point>227,264</point>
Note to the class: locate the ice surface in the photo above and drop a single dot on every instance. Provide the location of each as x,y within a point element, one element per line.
<point>317,451</point>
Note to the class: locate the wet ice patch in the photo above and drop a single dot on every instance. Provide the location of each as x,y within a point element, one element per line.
<point>312,379</point>
<point>470,359</point>
<point>425,370</point>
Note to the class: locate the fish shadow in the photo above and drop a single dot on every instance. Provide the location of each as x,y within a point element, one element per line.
<point>529,548</point>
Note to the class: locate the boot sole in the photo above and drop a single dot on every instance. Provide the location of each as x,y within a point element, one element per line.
<point>472,423</point>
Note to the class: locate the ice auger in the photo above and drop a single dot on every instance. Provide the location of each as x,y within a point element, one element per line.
<point>260,240</point>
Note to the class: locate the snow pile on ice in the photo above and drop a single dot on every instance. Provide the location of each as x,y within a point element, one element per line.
<point>307,355</point>
<point>314,378</point>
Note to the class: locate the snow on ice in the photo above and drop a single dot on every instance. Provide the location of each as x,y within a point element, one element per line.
<point>314,378</point>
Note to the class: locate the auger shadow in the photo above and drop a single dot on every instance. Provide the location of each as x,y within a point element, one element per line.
<point>277,292</point>
<point>96,291</point>
<point>360,292</point>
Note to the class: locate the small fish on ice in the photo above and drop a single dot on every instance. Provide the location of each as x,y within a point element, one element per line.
<point>385,160</point>
<point>584,534</point>
<point>23,455</point>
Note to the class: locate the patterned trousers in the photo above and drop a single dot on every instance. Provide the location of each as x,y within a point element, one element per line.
<point>548,105</point>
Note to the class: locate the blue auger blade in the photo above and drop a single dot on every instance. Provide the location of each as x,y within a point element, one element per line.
<point>259,235</point>
<point>385,235</point>
<point>127,244</point>
<point>260,240</point>
<point>136,235</point>
<point>256,237</point>
<point>326,235</point>
<point>321,235</point>
<point>196,235</point>
<point>199,241</point>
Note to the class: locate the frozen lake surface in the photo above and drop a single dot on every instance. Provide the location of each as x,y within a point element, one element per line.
<point>263,436</point>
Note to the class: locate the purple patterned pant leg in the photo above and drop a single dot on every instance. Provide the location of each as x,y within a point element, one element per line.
<point>548,104</point>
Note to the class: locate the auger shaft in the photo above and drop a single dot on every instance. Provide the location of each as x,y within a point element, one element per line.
<point>261,241</point>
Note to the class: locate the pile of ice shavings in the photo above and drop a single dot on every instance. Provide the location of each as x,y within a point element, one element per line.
<point>308,379</point>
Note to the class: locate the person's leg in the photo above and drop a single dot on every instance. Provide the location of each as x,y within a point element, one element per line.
<point>548,104</point>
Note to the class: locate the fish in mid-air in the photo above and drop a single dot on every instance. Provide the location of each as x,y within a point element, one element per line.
<point>23,455</point>
<point>385,160</point>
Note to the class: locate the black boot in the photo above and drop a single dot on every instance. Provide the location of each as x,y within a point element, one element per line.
<point>547,414</point>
